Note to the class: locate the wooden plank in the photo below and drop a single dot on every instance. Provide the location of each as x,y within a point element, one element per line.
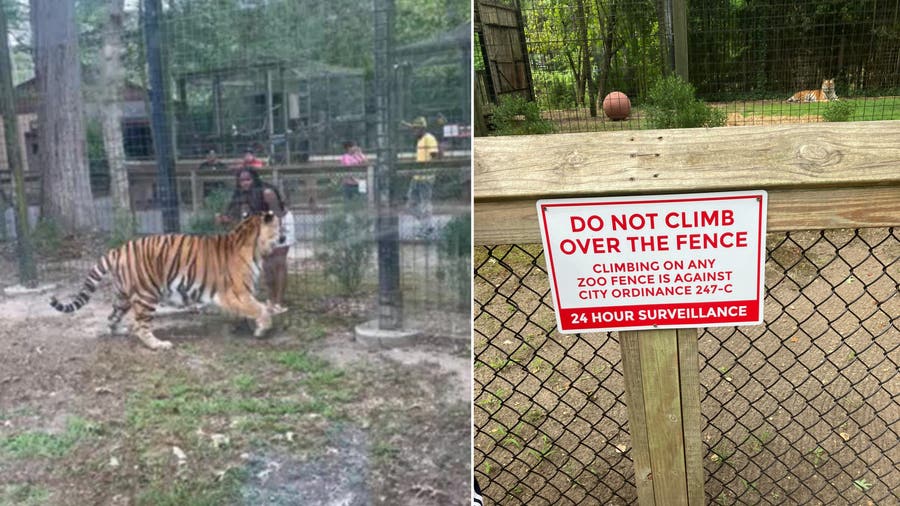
<point>515,222</point>
<point>678,160</point>
<point>637,421</point>
<point>662,407</point>
<point>689,379</point>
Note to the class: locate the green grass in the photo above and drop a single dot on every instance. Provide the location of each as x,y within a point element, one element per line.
<point>194,493</point>
<point>178,402</point>
<point>865,109</point>
<point>44,444</point>
<point>23,495</point>
<point>259,399</point>
<point>245,382</point>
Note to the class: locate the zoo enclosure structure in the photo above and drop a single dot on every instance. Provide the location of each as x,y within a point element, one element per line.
<point>802,409</point>
<point>747,57</point>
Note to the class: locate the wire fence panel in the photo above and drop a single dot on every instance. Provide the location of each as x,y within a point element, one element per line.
<point>290,84</point>
<point>800,410</point>
<point>743,59</point>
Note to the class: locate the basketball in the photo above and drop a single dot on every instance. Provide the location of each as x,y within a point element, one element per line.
<point>616,106</point>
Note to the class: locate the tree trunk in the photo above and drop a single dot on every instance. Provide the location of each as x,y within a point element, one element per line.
<point>586,83</point>
<point>65,178</point>
<point>15,161</point>
<point>112,77</point>
<point>575,67</point>
<point>666,46</point>
<point>610,47</point>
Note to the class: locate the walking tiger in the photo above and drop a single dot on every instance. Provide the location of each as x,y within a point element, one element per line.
<point>184,270</point>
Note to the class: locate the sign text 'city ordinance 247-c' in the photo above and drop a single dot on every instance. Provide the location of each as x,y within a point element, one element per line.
<point>664,261</point>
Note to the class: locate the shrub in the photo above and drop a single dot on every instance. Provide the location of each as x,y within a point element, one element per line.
<point>841,110</point>
<point>517,116</point>
<point>204,220</point>
<point>558,89</point>
<point>671,103</point>
<point>454,252</point>
<point>346,245</point>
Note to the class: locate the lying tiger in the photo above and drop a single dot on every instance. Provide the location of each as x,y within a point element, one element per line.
<point>186,270</point>
<point>824,95</point>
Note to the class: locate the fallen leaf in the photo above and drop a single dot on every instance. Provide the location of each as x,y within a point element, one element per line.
<point>844,436</point>
<point>179,453</point>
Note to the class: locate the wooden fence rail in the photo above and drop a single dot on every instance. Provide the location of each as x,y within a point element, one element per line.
<point>310,176</point>
<point>819,176</point>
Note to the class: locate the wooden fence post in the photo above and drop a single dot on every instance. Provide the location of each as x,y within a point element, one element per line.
<point>662,390</point>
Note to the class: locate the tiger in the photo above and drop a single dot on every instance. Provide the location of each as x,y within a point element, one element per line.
<point>824,95</point>
<point>185,270</point>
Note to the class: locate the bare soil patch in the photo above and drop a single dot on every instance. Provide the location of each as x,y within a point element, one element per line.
<point>304,416</point>
<point>738,119</point>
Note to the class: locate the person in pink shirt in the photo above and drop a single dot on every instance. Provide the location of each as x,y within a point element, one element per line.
<point>352,157</point>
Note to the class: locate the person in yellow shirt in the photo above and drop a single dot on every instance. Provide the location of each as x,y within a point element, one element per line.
<point>418,199</point>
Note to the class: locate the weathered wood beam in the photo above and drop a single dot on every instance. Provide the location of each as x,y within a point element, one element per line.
<point>822,175</point>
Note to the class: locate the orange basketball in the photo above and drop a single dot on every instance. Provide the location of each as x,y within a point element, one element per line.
<point>616,106</point>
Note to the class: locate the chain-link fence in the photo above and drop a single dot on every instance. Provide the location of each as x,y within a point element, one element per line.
<point>744,59</point>
<point>800,410</point>
<point>288,85</point>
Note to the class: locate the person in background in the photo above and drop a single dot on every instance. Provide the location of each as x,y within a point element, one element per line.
<point>418,197</point>
<point>252,195</point>
<point>212,162</point>
<point>352,157</point>
<point>250,161</point>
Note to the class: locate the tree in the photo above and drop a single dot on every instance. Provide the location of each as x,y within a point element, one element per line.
<point>112,82</point>
<point>27,271</point>
<point>66,189</point>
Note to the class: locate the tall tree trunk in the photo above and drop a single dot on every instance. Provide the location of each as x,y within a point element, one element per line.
<point>15,161</point>
<point>666,45</point>
<point>61,137</point>
<point>112,83</point>
<point>586,83</point>
<point>607,16</point>
<point>575,67</point>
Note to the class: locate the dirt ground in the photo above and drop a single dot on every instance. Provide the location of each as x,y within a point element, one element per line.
<point>304,416</point>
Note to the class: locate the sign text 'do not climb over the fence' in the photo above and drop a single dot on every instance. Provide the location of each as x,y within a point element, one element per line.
<point>663,261</point>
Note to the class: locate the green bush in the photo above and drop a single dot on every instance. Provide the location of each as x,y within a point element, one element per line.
<point>841,110</point>
<point>454,251</point>
<point>204,220</point>
<point>558,89</point>
<point>671,103</point>
<point>346,245</point>
<point>515,115</point>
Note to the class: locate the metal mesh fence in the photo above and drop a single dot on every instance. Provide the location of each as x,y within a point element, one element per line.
<point>744,59</point>
<point>290,82</point>
<point>800,410</point>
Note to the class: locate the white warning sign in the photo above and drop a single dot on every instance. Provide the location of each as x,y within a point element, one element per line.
<point>664,261</point>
